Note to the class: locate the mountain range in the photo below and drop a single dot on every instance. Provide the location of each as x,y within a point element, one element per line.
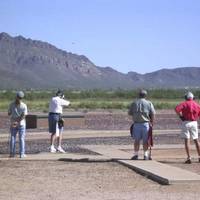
<point>27,63</point>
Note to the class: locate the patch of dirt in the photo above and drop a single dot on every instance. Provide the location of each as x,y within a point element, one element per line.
<point>49,180</point>
<point>194,167</point>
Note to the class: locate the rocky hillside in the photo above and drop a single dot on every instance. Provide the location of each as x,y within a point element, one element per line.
<point>169,78</point>
<point>26,63</point>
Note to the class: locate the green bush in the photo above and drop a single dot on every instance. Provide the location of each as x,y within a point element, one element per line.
<point>94,99</point>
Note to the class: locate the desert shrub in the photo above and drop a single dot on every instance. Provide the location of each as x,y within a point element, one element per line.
<point>164,105</point>
<point>38,100</point>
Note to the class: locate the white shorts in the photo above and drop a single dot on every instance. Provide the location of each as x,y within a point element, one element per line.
<point>190,128</point>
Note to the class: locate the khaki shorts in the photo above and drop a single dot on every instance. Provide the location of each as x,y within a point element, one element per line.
<point>190,128</point>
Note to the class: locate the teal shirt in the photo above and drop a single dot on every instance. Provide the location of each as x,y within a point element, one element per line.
<point>141,110</point>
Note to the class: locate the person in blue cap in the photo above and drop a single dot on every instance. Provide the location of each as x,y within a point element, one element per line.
<point>17,111</point>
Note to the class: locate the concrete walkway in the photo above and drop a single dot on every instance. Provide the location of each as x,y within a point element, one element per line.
<point>162,173</point>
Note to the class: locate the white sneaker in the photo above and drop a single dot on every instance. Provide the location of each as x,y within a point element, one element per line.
<point>52,149</point>
<point>60,149</point>
<point>23,156</point>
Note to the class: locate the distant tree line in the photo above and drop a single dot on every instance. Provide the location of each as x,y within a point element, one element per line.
<point>97,93</point>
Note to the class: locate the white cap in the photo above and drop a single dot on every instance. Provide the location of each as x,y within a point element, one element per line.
<point>189,95</point>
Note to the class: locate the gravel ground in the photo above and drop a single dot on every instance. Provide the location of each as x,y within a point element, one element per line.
<point>72,145</point>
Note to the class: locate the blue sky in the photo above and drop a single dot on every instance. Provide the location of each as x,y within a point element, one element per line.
<point>127,35</point>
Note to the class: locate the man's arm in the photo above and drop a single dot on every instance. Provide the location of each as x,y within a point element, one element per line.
<point>152,113</point>
<point>21,117</point>
<point>179,112</point>
<point>64,102</point>
<point>152,117</point>
<point>9,110</point>
<point>24,113</point>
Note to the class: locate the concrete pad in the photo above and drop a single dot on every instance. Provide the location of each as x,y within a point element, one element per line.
<point>108,151</point>
<point>155,147</point>
<point>162,152</point>
<point>162,173</point>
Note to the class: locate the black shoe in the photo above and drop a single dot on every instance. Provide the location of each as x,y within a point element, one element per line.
<point>135,157</point>
<point>199,159</point>
<point>188,161</point>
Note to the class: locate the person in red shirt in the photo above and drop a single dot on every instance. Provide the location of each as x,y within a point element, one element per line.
<point>189,113</point>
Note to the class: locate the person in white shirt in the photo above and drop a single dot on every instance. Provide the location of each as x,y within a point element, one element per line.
<point>17,111</point>
<point>55,110</point>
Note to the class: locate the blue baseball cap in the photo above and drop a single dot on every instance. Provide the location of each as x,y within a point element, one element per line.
<point>20,94</point>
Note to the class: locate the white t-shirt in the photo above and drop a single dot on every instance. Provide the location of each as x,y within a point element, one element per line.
<point>56,105</point>
<point>16,111</point>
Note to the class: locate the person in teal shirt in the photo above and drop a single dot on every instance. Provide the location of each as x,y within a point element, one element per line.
<point>142,112</point>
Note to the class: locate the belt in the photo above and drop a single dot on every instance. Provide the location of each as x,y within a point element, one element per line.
<point>51,113</point>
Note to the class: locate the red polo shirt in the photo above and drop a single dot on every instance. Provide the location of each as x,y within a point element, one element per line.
<point>189,109</point>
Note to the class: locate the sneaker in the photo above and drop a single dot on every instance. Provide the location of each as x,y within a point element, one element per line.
<point>188,161</point>
<point>60,149</point>
<point>146,158</point>
<point>135,157</point>
<point>23,156</point>
<point>52,149</point>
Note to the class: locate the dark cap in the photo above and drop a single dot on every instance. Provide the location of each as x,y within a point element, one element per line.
<point>142,93</point>
<point>59,93</point>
